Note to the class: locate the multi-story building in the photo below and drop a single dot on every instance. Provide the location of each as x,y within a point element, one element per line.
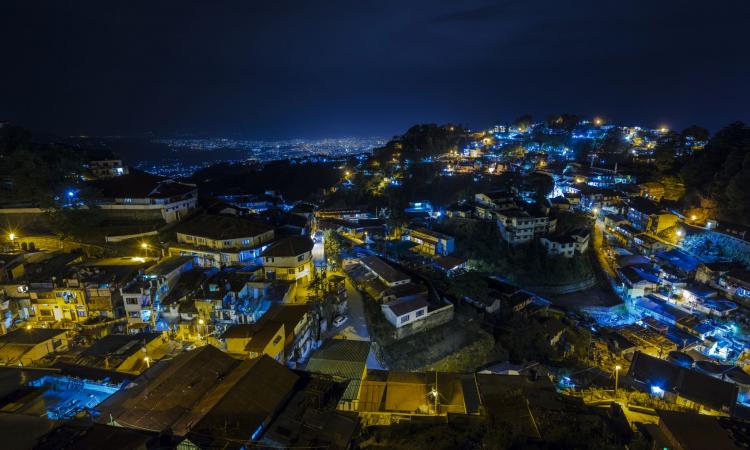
<point>646,215</point>
<point>431,242</point>
<point>59,306</point>
<point>142,296</point>
<point>101,281</point>
<point>289,259</point>
<point>107,168</point>
<point>568,245</point>
<point>489,202</point>
<point>146,197</point>
<point>520,225</point>
<point>219,240</point>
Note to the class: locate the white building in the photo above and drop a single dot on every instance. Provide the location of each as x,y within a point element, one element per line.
<point>518,225</point>
<point>568,245</point>
<point>405,311</point>
<point>142,196</point>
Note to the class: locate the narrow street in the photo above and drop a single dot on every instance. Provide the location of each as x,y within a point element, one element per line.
<point>356,326</point>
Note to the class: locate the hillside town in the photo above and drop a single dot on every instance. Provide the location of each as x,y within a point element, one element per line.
<point>554,283</point>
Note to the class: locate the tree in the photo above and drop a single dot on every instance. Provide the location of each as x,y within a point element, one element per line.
<point>332,246</point>
<point>665,156</point>
<point>719,173</point>
<point>695,132</point>
<point>523,122</point>
<point>565,122</point>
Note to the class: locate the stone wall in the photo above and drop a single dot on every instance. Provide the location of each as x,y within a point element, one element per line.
<point>431,320</point>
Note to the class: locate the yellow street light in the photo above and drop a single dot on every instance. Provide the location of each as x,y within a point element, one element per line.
<point>598,121</point>
<point>144,245</point>
<point>693,217</point>
<point>28,327</point>
<point>148,361</point>
<point>201,321</point>
<point>617,377</point>
<point>12,236</point>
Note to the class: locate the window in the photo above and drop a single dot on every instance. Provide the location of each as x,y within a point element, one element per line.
<point>290,271</point>
<point>45,312</point>
<point>131,301</point>
<point>276,340</point>
<point>300,257</point>
<point>420,313</point>
<point>405,318</point>
<point>301,269</point>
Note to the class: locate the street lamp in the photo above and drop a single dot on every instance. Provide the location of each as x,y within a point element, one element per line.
<point>617,378</point>
<point>12,237</point>
<point>201,324</point>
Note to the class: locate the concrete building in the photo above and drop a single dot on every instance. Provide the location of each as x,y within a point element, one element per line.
<point>59,306</point>
<point>431,242</point>
<point>145,197</point>
<point>384,272</point>
<point>289,259</point>
<point>568,245</point>
<point>107,168</point>
<point>27,346</point>
<point>219,240</point>
<point>405,311</point>
<point>142,296</point>
<point>521,225</point>
<point>646,215</point>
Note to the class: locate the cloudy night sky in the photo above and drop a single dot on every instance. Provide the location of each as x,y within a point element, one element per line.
<point>281,69</point>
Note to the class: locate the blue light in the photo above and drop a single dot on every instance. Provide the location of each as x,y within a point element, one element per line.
<point>71,193</point>
<point>657,391</point>
<point>257,433</point>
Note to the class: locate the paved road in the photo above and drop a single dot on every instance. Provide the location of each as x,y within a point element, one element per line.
<point>356,327</point>
<point>318,254</point>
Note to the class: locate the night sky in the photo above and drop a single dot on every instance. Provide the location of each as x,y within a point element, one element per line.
<point>316,68</point>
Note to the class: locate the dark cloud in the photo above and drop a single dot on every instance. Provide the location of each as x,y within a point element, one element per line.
<point>300,68</point>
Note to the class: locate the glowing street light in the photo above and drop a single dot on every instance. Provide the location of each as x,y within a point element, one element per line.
<point>617,377</point>
<point>148,362</point>
<point>12,237</point>
<point>144,246</point>
<point>598,121</point>
<point>693,217</point>
<point>680,232</point>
